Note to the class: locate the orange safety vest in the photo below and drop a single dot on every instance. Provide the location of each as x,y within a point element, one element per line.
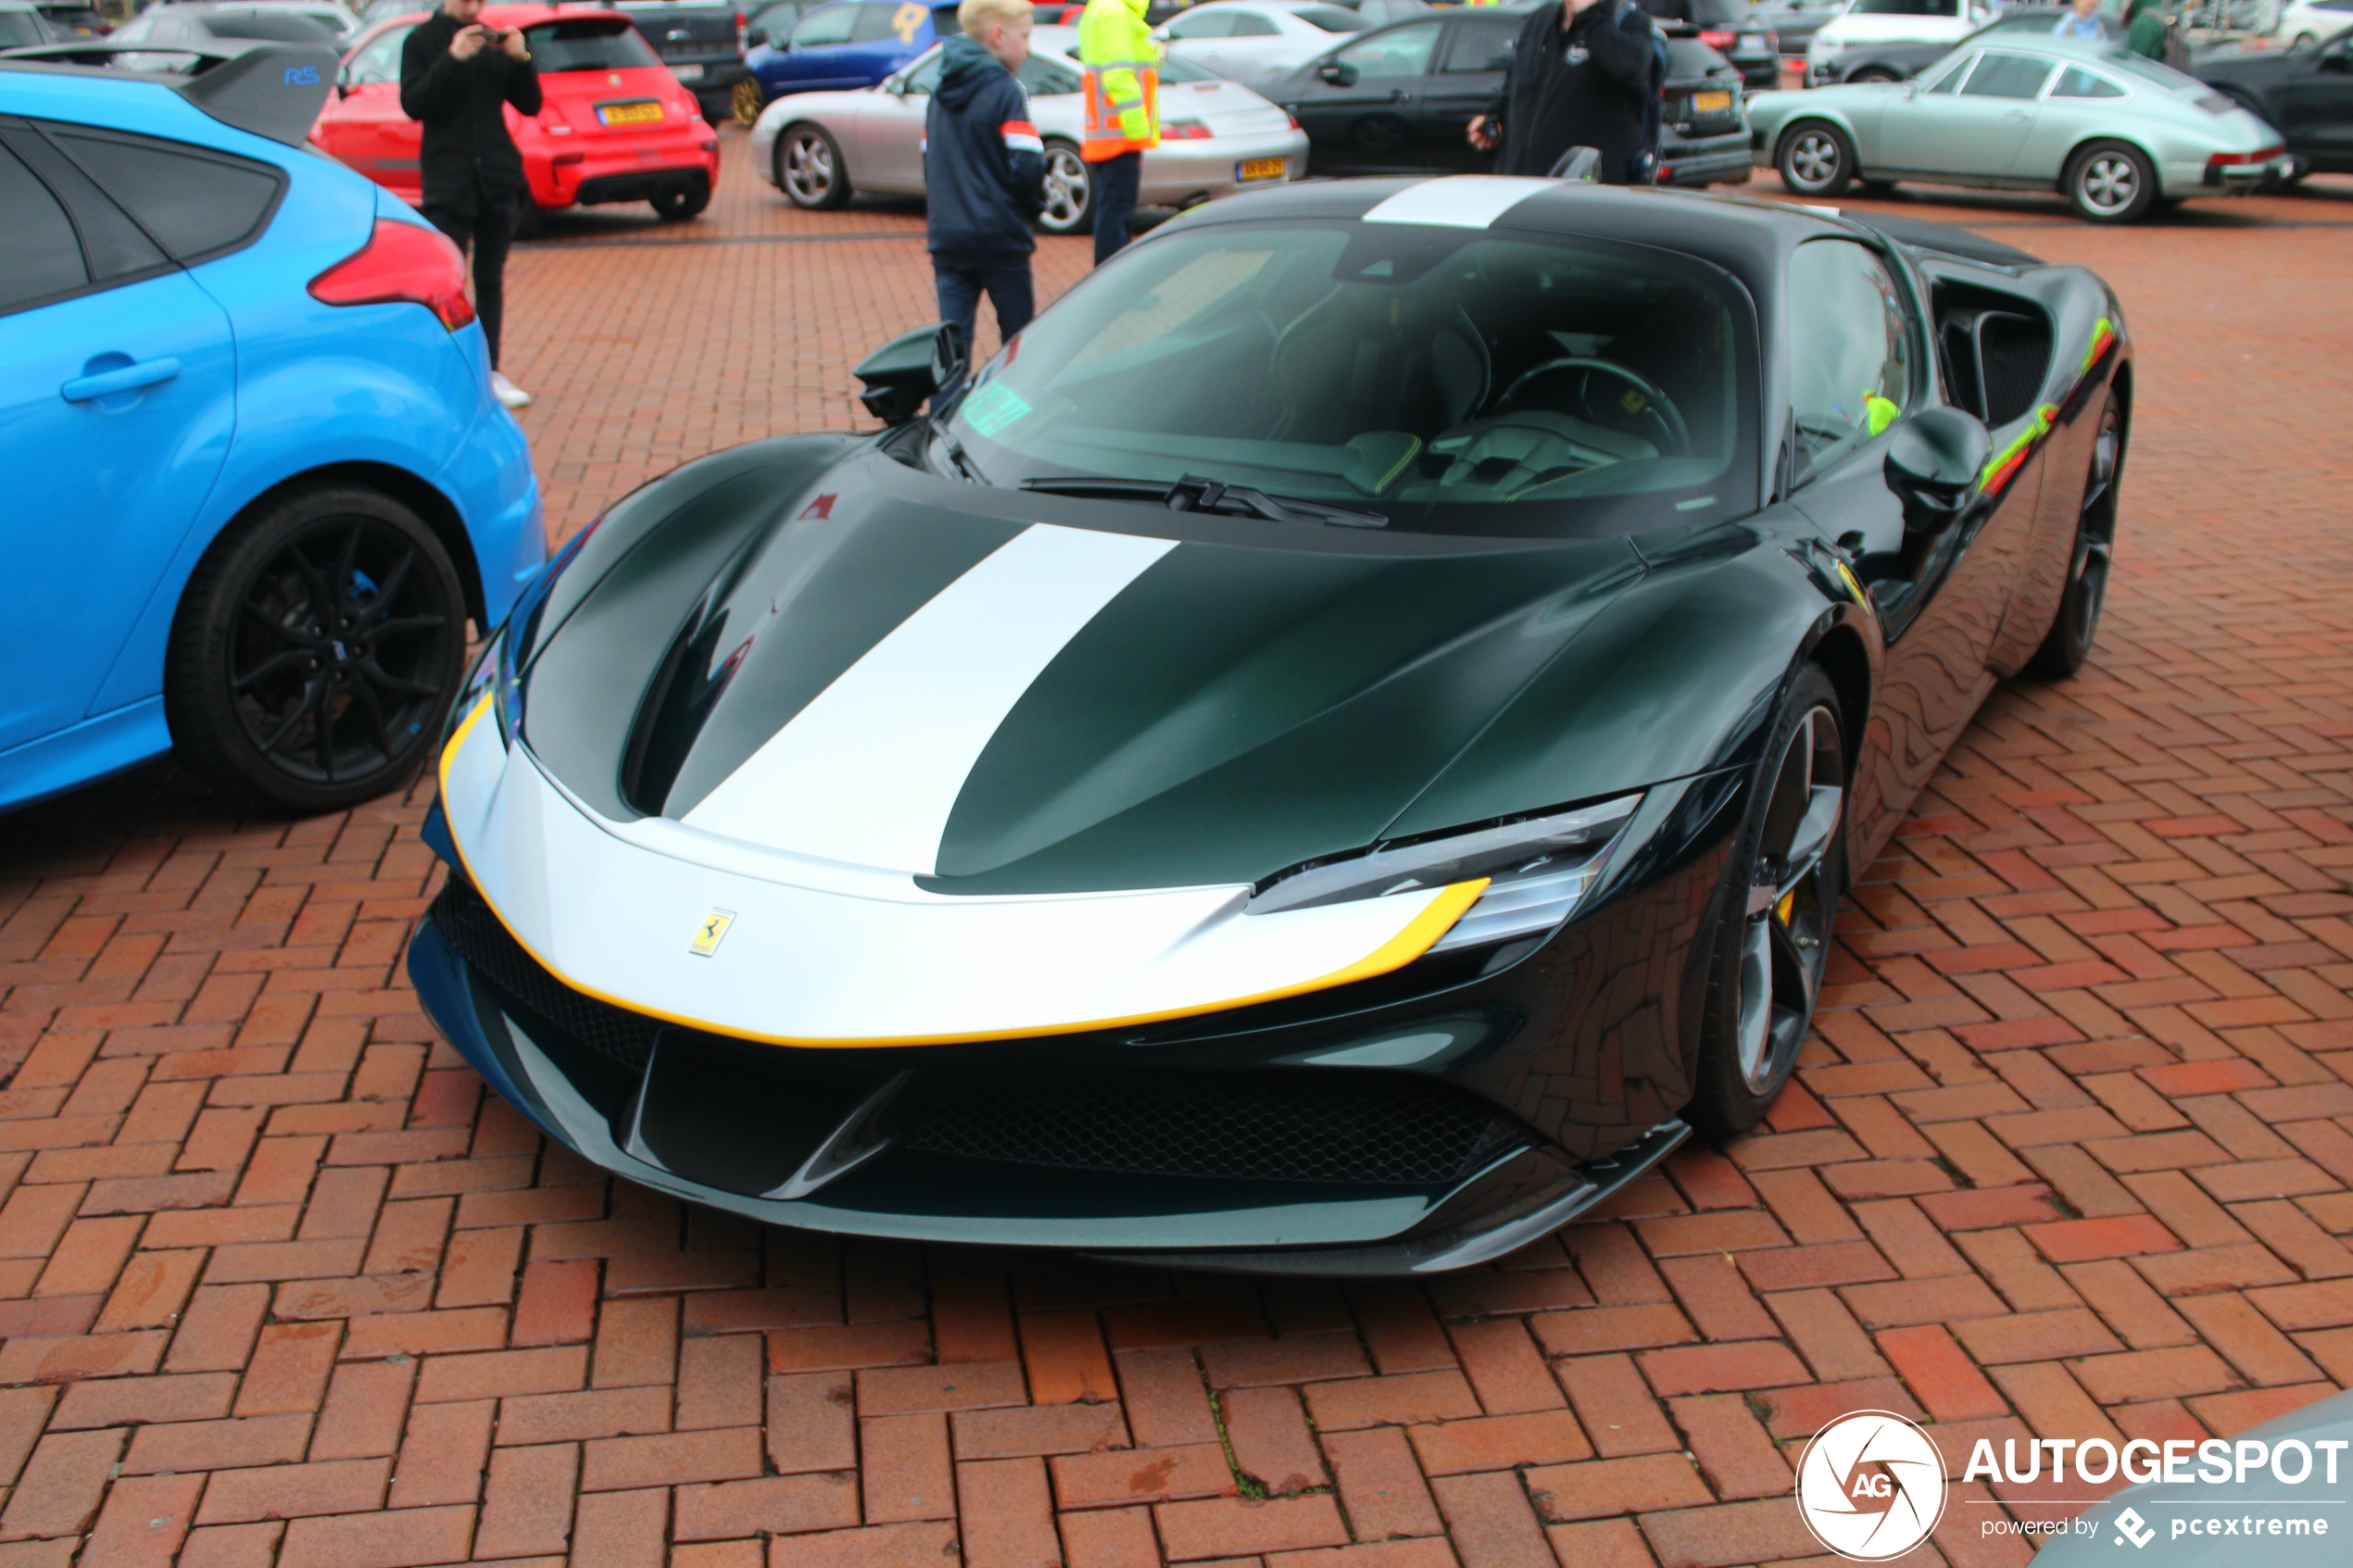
<point>1117,124</point>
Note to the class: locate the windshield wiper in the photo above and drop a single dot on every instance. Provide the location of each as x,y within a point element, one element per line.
<point>1194,494</point>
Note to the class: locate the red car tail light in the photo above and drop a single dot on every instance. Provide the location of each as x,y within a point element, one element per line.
<point>2264,156</point>
<point>401,264</point>
<point>742,35</point>
<point>1719,38</point>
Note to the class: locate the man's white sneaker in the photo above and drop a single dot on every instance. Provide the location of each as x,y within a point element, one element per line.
<point>507,392</point>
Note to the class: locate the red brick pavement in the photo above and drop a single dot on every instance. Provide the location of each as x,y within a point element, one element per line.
<point>2072,1154</point>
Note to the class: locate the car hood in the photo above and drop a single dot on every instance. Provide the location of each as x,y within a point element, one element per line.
<point>996,692</point>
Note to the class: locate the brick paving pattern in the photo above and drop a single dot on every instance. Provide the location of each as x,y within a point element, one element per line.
<point>2071,1154</point>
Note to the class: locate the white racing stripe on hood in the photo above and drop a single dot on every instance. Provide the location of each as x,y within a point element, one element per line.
<point>1463,201</point>
<point>867,773</point>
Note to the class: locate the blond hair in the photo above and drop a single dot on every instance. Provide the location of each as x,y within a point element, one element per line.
<point>976,16</point>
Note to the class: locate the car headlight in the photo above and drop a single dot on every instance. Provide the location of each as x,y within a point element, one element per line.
<point>1537,871</point>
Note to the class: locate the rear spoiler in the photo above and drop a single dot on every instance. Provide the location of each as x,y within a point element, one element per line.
<point>271,89</point>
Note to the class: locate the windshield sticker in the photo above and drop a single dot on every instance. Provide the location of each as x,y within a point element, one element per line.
<point>993,407</point>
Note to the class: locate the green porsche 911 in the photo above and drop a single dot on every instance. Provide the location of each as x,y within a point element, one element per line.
<point>1337,749</point>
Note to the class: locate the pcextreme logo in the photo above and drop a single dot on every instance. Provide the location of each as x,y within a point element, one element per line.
<point>1871,1485</point>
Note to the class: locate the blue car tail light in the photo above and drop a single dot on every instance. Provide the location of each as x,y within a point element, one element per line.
<point>401,264</point>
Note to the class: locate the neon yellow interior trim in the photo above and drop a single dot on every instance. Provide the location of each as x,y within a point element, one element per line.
<point>1423,930</point>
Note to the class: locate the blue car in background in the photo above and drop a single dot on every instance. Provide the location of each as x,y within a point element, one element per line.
<point>256,480</point>
<point>852,44</point>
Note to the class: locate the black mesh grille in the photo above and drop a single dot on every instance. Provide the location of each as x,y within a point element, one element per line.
<point>474,932</point>
<point>1310,1125</point>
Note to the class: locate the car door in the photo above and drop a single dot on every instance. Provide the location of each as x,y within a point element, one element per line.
<point>816,55</point>
<point>364,125</point>
<point>1859,361</point>
<point>1972,122</point>
<point>890,151</point>
<point>117,406</point>
<point>1362,107</point>
<point>1477,52</point>
<point>2320,106</point>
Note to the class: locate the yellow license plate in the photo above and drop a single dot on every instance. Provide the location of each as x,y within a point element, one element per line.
<point>628,114</point>
<point>1711,103</point>
<point>1258,168</point>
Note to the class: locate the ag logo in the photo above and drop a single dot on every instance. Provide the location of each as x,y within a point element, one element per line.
<point>709,934</point>
<point>1871,1485</point>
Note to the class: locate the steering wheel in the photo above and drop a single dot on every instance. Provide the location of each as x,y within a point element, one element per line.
<point>1655,403</point>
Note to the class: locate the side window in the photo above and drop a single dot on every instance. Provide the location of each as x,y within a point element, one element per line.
<point>1209,24</point>
<point>380,61</point>
<point>1045,79</point>
<point>111,243</point>
<point>38,257</point>
<point>2077,82</point>
<point>924,78</point>
<point>196,205</point>
<point>2008,76</point>
<point>1248,25</point>
<point>873,22</point>
<point>1950,81</point>
<point>828,25</point>
<point>1480,46</point>
<point>1404,52</point>
<point>1850,348</point>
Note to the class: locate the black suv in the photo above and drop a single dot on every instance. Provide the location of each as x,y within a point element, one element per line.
<point>701,42</point>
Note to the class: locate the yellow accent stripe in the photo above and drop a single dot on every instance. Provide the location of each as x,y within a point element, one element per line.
<point>1420,933</point>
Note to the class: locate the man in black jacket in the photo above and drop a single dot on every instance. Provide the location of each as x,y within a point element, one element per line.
<point>984,173</point>
<point>1582,76</point>
<point>455,77</point>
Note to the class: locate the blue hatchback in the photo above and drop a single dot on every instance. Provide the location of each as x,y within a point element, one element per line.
<point>848,45</point>
<point>257,480</point>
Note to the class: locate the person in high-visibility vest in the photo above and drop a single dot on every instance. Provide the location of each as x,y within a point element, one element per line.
<point>1121,84</point>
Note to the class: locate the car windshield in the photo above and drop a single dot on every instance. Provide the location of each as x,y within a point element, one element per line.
<point>588,46</point>
<point>21,27</point>
<point>1452,380</point>
<point>1331,18</point>
<point>1905,8</point>
<point>275,26</point>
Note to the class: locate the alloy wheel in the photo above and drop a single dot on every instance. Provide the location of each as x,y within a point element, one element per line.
<point>335,663</point>
<point>2108,183</point>
<point>1814,159</point>
<point>1785,942</point>
<point>2095,534</point>
<point>1068,190</point>
<point>809,173</point>
<point>744,101</point>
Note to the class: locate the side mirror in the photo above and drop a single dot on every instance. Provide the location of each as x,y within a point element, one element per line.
<point>909,369</point>
<point>1933,464</point>
<point>1339,74</point>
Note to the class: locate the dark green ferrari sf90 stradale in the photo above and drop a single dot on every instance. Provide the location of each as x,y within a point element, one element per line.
<point>1340,750</point>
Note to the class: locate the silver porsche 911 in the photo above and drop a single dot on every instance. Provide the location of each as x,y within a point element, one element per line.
<point>2113,132</point>
<point>1216,137</point>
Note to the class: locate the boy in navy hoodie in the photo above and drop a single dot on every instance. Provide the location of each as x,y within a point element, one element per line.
<point>984,173</point>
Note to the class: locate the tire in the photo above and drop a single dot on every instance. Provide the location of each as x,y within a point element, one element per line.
<point>2068,643</point>
<point>1815,159</point>
<point>681,202</point>
<point>810,169</point>
<point>1070,192</point>
<point>332,601</point>
<point>745,101</point>
<point>1873,73</point>
<point>1778,901</point>
<point>1878,189</point>
<point>2111,182</point>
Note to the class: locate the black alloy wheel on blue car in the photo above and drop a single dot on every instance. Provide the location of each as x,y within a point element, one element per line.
<point>316,649</point>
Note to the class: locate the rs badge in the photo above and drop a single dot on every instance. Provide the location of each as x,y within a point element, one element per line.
<point>709,933</point>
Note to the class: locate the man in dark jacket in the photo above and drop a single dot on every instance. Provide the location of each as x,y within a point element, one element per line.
<point>455,77</point>
<point>1580,77</point>
<point>984,173</point>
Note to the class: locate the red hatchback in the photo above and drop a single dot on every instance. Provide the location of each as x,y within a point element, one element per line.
<point>616,126</point>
